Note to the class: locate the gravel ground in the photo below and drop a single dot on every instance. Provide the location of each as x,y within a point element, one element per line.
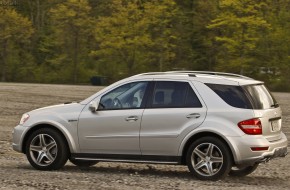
<point>16,173</point>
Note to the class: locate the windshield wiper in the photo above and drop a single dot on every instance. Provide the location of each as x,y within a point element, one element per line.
<point>70,102</point>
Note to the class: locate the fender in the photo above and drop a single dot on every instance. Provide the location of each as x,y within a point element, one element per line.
<point>200,130</point>
<point>68,129</point>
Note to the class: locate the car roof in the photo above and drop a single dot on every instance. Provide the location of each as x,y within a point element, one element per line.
<point>200,76</point>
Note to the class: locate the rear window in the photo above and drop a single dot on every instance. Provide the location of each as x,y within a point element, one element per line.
<point>260,97</point>
<point>246,97</point>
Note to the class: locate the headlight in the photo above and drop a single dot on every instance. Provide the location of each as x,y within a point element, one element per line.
<point>24,118</point>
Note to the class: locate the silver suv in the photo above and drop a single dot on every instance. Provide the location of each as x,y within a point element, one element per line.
<point>217,124</point>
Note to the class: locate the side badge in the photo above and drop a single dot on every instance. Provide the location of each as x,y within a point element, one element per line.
<point>72,120</point>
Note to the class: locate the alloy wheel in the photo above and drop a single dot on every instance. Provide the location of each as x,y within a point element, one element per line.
<point>43,149</point>
<point>207,159</point>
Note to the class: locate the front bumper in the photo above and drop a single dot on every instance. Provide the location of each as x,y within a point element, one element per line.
<point>18,134</point>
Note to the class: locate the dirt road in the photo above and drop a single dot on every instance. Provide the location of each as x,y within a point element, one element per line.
<point>16,173</point>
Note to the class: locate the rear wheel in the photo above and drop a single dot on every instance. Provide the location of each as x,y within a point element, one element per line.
<point>46,149</point>
<point>83,163</point>
<point>243,171</point>
<point>208,158</point>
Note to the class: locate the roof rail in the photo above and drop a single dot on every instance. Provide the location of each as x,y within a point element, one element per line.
<point>160,73</point>
<point>210,73</point>
<point>193,73</point>
<point>152,73</point>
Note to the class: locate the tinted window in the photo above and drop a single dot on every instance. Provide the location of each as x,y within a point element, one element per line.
<point>260,97</point>
<point>128,96</point>
<point>232,95</point>
<point>174,95</point>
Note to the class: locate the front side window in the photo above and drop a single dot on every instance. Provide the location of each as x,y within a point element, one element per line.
<point>169,94</point>
<point>128,96</point>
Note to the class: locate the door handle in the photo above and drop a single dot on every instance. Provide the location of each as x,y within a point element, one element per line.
<point>132,118</point>
<point>193,115</point>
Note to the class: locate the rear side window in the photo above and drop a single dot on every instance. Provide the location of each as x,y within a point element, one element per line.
<point>169,94</point>
<point>232,95</point>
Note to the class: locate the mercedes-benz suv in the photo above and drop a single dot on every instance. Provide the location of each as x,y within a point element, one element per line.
<point>217,124</point>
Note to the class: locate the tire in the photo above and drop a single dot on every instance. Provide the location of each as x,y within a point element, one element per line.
<point>46,149</point>
<point>241,172</point>
<point>209,158</point>
<point>83,163</point>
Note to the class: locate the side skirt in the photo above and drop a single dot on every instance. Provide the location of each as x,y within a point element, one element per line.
<point>128,158</point>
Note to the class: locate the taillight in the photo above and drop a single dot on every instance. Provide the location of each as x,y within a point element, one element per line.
<point>251,126</point>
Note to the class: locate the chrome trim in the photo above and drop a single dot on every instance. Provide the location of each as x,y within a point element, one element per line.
<point>112,136</point>
<point>173,135</point>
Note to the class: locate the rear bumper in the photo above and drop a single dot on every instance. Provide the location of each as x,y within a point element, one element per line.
<point>278,152</point>
<point>243,155</point>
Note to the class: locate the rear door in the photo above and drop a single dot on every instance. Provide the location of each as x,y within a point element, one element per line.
<point>172,111</point>
<point>266,109</point>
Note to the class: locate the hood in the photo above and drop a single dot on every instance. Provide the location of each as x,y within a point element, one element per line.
<point>60,108</point>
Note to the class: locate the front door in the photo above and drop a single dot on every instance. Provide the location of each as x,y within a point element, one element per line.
<point>114,128</point>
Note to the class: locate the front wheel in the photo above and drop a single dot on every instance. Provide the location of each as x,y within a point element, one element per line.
<point>46,149</point>
<point>209,158</point>
<point>243,171</point>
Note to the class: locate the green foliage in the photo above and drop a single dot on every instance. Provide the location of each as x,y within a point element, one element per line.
<point>273,48</point>
<point>67,45</point>
<point>14,35</point>
<point>238,27</point>
<point>204,47</point>
<point>68,41</point>
<point>136,37</point>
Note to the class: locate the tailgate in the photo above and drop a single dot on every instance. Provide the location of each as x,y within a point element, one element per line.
<point>271,120</point>
<point>266,109</point>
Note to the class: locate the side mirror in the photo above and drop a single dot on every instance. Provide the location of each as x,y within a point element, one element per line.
<point>94,106</point>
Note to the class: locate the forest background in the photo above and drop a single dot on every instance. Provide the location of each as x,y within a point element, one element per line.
<point>69,41</point>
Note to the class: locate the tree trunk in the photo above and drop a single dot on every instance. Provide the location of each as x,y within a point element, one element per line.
<point>37,19</point>
<point>242,50</point>
<point>161,59</point>
<point>4,56</point>
<point>31,11</point>
<point>131,63</point>
<point>75,57</point>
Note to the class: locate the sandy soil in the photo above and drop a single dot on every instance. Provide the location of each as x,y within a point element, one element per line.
<point>16,173</point>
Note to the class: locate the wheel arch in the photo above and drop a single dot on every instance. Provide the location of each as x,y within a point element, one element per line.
<point>200,135</point>
<point>46,126</point>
